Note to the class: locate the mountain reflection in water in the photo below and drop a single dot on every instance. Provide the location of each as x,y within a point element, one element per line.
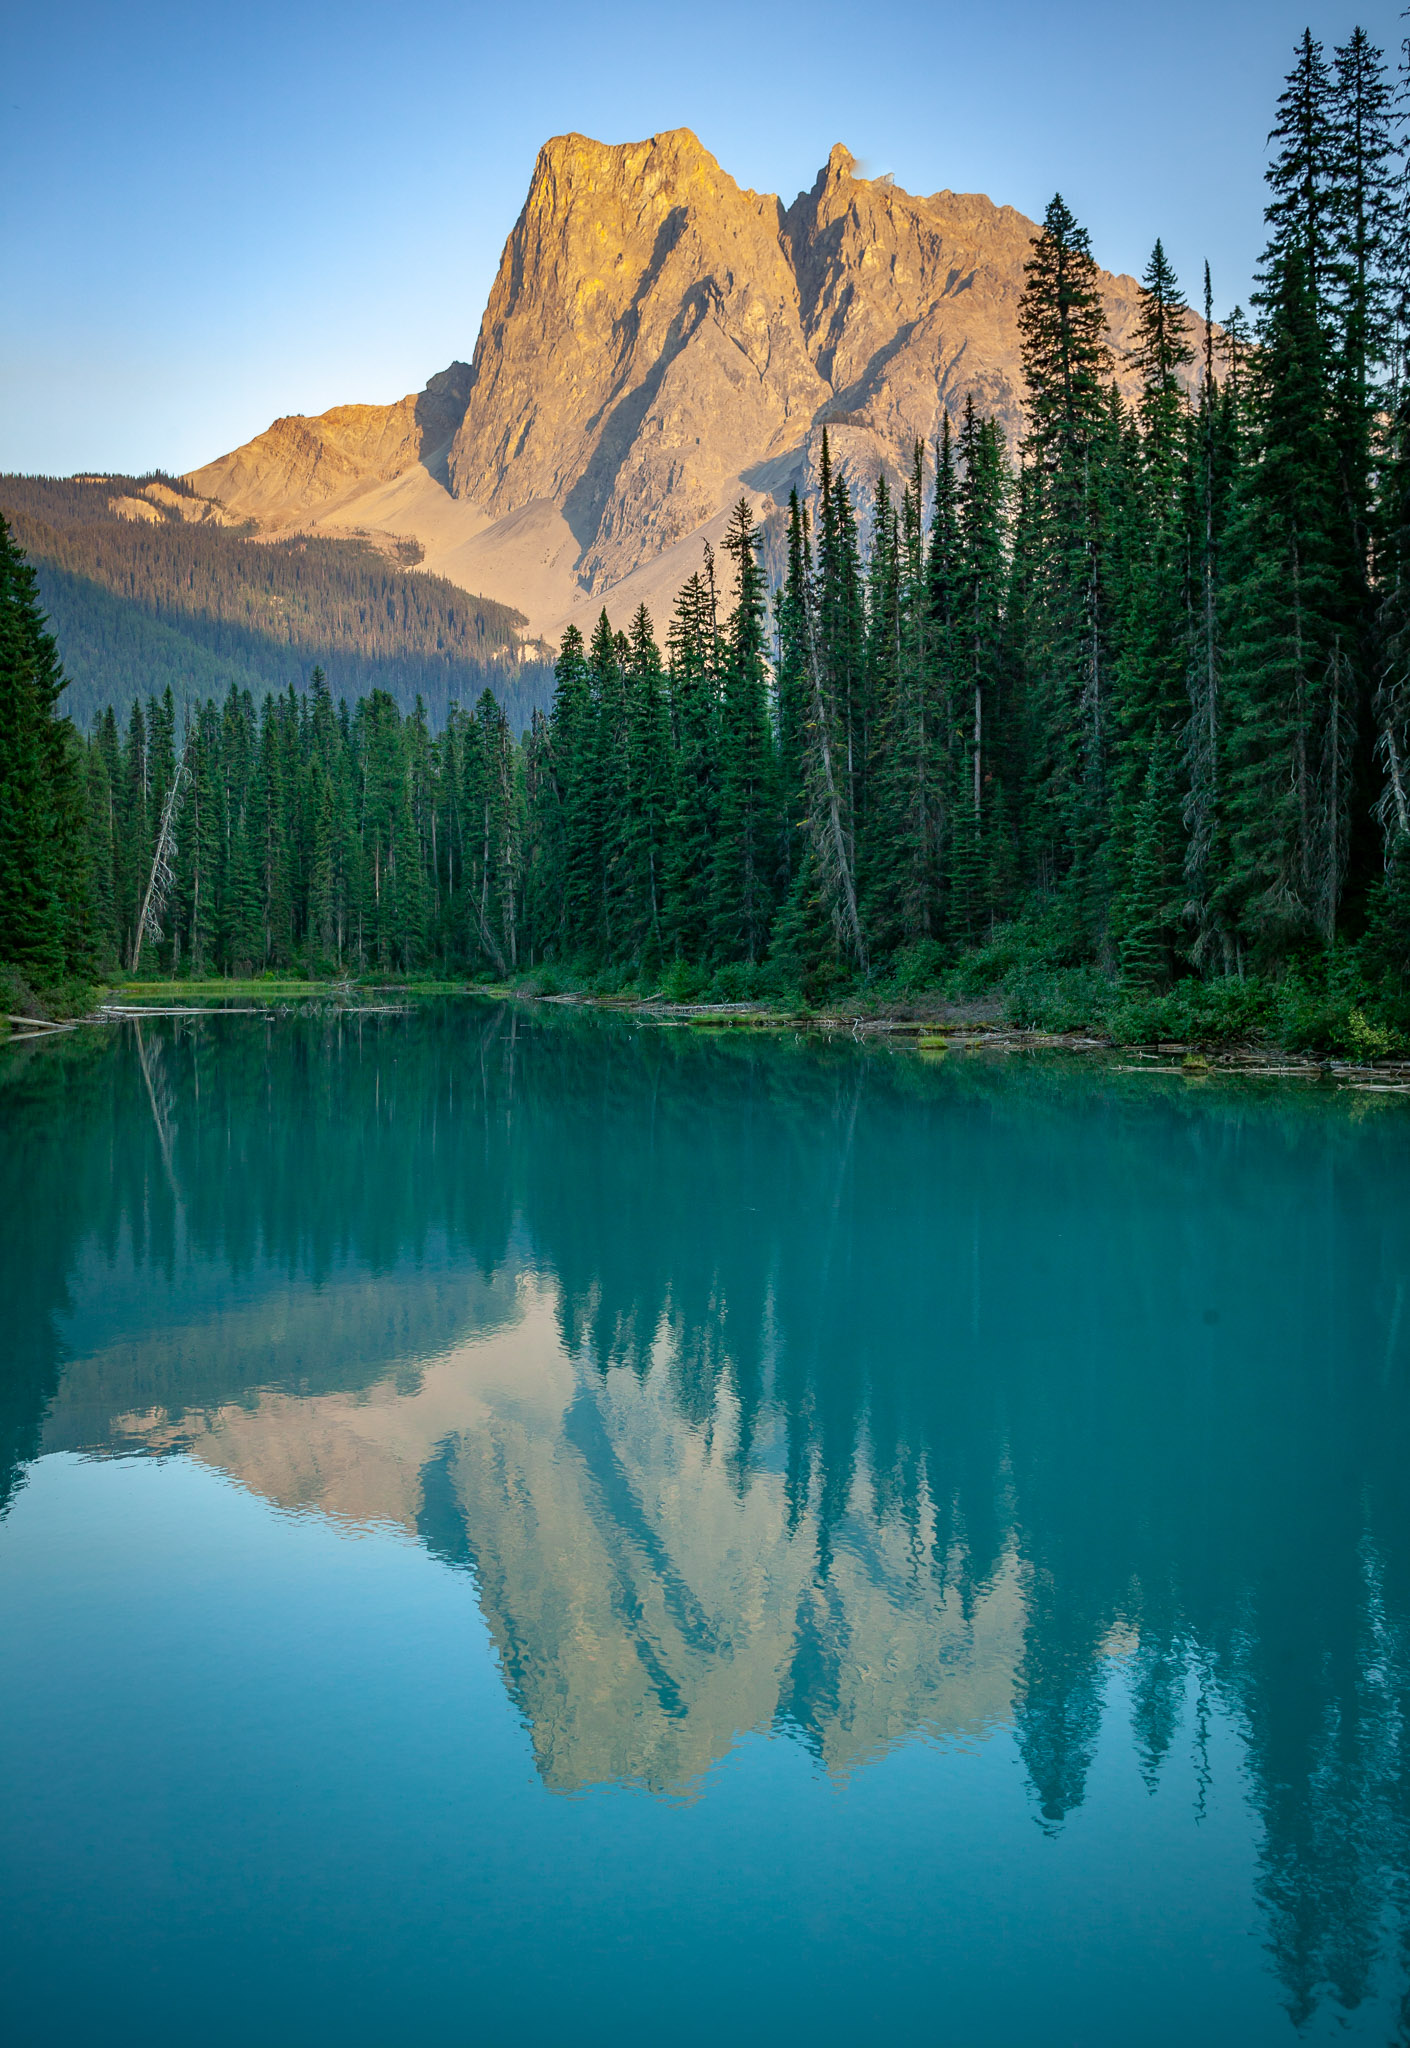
<point>766,1385</point>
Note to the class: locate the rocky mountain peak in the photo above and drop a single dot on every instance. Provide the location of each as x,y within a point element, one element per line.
<point>657,340</point>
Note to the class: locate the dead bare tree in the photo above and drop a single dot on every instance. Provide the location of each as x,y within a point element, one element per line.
<point>163,874</point>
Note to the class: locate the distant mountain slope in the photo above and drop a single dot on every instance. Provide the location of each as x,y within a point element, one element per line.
<point>657,341</point>
<point>150,585</point>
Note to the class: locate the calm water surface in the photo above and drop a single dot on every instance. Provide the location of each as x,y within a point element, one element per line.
<point>516,1528</point>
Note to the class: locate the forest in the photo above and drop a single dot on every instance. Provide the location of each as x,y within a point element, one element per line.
<point>137,608</point>
<point>1114,725</point>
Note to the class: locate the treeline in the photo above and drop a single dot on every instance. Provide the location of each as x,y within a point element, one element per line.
<point>1142,696</point>
<point>141,607</point>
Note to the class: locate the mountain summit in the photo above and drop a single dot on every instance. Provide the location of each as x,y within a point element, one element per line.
<point>656,341</point>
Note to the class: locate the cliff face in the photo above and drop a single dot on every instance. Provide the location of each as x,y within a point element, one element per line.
<point>658,340</point>
<point>911,304</point>
<point>641,348</point>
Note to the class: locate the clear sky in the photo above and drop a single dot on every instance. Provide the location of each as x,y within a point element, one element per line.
<point>214,213</point>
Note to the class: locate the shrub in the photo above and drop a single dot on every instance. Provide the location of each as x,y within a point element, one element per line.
<point>738,982</point>
<point>683,983</point>
<point>1062,999</point>
<point>917,967</point>
<point>1366,1040</point>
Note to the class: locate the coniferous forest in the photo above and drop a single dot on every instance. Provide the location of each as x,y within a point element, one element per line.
<point>138,608</point>
<point>1116,721</point>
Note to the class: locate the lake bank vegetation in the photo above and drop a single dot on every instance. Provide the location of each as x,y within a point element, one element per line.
<point>1106,733</point>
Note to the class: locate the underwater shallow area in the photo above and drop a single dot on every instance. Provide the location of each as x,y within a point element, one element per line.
<point>524,1525</point>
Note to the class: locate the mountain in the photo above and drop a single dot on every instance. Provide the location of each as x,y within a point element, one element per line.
<point>657,341</point>
<point>150,585</point>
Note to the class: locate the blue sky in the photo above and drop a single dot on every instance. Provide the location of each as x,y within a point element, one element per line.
<point>212,213</point>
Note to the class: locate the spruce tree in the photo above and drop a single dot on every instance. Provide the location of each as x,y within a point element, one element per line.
<point>1058,558</point>
<point>607,913</point>
<point>564,887</point>
<point>744,854</point>
<point>31,903</point>
<point>1147,915</point>
<point>1285,610</point>
<point>651,792</point>
<point>791,630</point>
<point>694,661</point>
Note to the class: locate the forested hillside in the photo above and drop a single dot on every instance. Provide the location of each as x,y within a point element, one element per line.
<point>1126,721</point>
<point>141,605</point>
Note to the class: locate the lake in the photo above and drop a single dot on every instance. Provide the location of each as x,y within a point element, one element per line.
<point>524,1526</point>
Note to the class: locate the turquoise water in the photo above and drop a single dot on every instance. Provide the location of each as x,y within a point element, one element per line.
<point>521,1527</point>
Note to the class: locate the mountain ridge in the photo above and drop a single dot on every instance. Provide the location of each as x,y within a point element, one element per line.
<point>659,340</point>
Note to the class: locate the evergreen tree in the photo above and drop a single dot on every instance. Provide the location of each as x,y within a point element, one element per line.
<point>1289,631</point>
<point>792,626</point>
<point>744,863</point>
<point>608,912</point>
<point>694,657</point>
<point>1061,600</point>
<point>32,921</point>
<point>651,791</point>
<point>1147,917</point>
<point>573,756</point>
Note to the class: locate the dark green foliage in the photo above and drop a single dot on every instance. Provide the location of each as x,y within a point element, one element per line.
<point>745,846</point>
<point>137,607</point>
<point>1147,914</point>
<point>46,920</point>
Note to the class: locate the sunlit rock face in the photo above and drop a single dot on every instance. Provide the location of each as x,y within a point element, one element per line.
<point>300,469</point>
<point>658,341</point>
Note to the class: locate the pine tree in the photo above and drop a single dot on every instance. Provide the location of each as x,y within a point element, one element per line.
<point>199,858</point>
<point>1301,213</point>
<point>493,848</point>
<point>651,792</point>
<point>1060,598</point>
<point>902,876</point>
<point>1214,432</point>
<point>607,913</point>
<point>1290,633</point>
<point>99,790</point>
<point>979,577</point>
<point>1062,328</point>
<point>31,905</point>
<point>574,737</point>
<point>965,879</point>
<point>820,933</point>
<point>1359,289</point>
<point>791,630</point>
<point>324,932</point>
<point>269,833</point>
<point>744,862</point>
<point>1147,549</point>
<point>694,660</point>
<point>1147,916</point>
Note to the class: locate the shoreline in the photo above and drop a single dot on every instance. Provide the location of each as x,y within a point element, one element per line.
<point>933,1030</point>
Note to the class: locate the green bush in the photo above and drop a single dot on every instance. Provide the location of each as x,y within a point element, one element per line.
<point>17,998</point>
<point>683,982</point>
<point>917,967</point>
<point>1057,999</point>
<point>739,981</point>
<point>1195,1012</point>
